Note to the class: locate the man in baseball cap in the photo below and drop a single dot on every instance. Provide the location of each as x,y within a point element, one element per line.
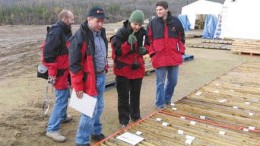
<point>97,12</point>
<point>88,73</point>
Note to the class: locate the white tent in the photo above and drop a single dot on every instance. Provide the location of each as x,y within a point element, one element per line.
<point>200,7</point>
<point>240,19</point>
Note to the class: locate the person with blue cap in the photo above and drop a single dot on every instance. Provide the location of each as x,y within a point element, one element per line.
<point>88,67</point>
<point>128,47</point>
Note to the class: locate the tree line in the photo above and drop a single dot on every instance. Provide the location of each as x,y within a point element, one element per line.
<point>36,12</point>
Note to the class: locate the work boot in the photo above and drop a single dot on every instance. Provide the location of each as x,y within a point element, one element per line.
<point>123,125</point>
<point>98,137</point>
<point>159,108</point>
<point>56,136</point>
<point>67,119</point>
<point>135,120</point>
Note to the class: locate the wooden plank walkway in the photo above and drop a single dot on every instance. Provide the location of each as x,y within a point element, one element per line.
<point>226,112</point>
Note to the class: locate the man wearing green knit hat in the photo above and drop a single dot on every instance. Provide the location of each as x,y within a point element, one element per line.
<point>128,47</point>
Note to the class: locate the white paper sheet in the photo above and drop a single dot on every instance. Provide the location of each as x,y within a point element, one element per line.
<point>190,137</point>
<point>221,132</point>
<point>138,132</point>
<point>188,141</point>
<point>247,103</point>
<point>192,122</point>
<point>183,118</point>
<point>165,124</point>
<point>85,105</point>
<point>130,138</point>
<point>158,119</point>
<point>181,132</point>
<point>251,128</point>
<point>198,93</point>
<point>174,108</point>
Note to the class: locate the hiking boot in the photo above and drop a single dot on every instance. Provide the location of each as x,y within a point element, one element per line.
<point>56,136</point>
<point>123,125</point>
<point>135,120</point>
<point>167,103</point>
<point>67,120</point>
<point>98,137</point>
<point>159,108</point>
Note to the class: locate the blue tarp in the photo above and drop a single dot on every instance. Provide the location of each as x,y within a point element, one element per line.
<point>185,22</point>
<point>209,26</point>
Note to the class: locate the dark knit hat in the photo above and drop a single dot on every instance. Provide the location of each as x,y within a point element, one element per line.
<point>137,16</point>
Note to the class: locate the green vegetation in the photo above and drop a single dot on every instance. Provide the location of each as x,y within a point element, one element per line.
<point>35,12</point>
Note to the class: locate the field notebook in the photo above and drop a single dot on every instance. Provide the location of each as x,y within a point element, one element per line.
<point>85,105</point>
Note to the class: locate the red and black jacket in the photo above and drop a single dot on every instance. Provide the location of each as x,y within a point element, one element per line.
<point>166,41</point>
<point>122,55</point>
<point>55,53</point>
<point>82,60</point>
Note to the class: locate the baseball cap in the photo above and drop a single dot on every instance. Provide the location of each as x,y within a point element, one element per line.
<point>97,12</point>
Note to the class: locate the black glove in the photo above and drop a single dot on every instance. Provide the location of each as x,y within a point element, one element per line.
<point>151,55</point>
<point>142,50</point>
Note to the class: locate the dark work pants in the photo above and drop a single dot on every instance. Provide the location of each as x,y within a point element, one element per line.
<point>128,91</point>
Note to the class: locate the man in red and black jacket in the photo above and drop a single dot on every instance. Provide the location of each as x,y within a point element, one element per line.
<point>88,67</point>
<point>167,40</point>
<point>55,58</point>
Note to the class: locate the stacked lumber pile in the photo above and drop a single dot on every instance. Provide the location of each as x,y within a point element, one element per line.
<point>213,44</point>
<point>193,34</point>
<point>251,47</point>
<point>224,112</point>
<point>217,42</point>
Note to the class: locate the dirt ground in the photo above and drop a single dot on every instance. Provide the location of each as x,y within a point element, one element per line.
<point>21,118</point>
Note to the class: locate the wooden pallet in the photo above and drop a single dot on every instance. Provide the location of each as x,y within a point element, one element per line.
<point>193,34</point>
<point>251,47</point>
<point>218,42</point>
<point>226,112</point>
<point>211,46</point>
<point>187,57</point>
<point>248,53</point>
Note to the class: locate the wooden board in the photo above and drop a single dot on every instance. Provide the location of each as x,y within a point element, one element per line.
<point>228,122</point>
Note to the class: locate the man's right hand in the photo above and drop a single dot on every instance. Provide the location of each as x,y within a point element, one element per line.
<point>52,79</point>
<point>79,94</point>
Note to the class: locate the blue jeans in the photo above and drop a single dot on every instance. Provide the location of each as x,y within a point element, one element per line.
<point>59,110</point>
<point>164,92</point>
<point>87,125</point>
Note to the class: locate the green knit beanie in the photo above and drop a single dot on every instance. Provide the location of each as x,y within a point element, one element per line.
<point>137,16</point>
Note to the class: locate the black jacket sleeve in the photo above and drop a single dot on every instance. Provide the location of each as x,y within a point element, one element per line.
<point>118,40</point>
<point>180,30</point>
<point>52,44</point>
<point>75,53</point>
